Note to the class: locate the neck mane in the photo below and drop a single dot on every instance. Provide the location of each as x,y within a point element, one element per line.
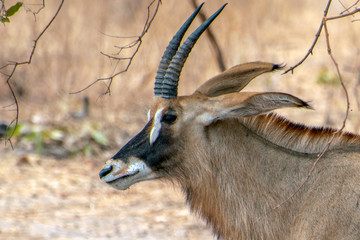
<point>298,137</point>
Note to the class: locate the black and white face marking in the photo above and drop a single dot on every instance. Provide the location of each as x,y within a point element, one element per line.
<point>156,127</point>
<point>143,156</point>
<point>168,118</point>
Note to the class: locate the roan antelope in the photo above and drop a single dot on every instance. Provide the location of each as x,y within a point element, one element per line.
<point>235,161</point>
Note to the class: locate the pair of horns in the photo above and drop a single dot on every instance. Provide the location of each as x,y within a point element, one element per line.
<point>173,59</point>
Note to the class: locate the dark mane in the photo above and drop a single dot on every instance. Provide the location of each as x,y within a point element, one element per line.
<point>299,137</point>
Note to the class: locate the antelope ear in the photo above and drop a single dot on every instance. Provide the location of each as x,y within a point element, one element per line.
<point>248,104</point>
<point>235,78</point>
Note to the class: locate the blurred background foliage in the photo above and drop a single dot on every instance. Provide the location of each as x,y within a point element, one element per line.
<point>68,58</point>
<point>44,198</point>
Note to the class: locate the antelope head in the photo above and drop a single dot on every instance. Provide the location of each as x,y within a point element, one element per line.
<point>177,122</point>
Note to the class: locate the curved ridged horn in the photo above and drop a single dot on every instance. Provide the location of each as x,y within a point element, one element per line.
<point>172,74</point>
<point>170,51</point>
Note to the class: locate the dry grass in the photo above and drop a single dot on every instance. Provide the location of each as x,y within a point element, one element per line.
<point>68,58</point>
<point>47,199</point>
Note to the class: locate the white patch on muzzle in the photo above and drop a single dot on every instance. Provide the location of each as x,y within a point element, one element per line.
<point>149,115</point>
<point>122,175</point>
<point>155,131</point>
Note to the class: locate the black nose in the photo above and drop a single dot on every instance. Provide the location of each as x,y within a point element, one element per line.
<point>105,171</point>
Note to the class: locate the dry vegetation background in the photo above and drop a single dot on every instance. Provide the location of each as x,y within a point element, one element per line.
<point>57,195</point>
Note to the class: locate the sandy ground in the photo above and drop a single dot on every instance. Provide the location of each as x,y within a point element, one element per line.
<point>44,198</point>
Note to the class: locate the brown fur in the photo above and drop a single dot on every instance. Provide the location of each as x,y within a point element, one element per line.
<point>234,177</point>
<point>236,164</point>
<point>235,171</point>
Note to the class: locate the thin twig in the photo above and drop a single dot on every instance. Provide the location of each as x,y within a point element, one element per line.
<point>339,75</point>
<point>347,9</point>
<point>42,6</point>
<point>137,44</point>
<point>344,120</point>
<point>309,173</point>
<point>317,35</point>
<point>344,15</point>
<point>17,64</point>
<point>2,10</point>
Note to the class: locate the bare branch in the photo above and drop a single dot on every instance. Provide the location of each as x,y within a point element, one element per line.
<point>35,12</point>
<point>134,44</point>
<point>347,9</point>
<point>324,24</point>
<point>317,35</point>
<point>344,15</point>
<point>15,65</point>
<point>2,9</point>
<point>339,75</point>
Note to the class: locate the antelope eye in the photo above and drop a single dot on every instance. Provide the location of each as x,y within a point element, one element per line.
<point>168,118</point>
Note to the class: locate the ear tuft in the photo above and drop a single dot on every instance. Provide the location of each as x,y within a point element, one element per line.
<point>265,102</point>
<point>278,66</point>
<point>251,104</point>
<point>305,105</point>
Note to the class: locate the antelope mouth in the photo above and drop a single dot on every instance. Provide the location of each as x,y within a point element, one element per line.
<point>121,175</point>
<point>124,176</point>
